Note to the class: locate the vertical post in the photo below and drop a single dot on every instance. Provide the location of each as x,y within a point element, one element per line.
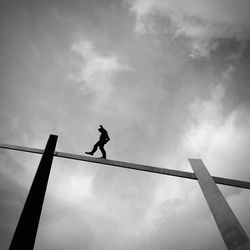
<point>231,231</point>
<point>25,233</point>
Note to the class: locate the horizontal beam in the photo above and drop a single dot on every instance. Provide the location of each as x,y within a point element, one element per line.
<point>145,168</point>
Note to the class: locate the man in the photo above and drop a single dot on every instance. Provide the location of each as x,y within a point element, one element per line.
<point>104,138</point>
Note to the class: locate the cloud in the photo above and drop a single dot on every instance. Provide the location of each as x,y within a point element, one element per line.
<point>220,140</point>
<point>95,70</point>
<point>206,117</point>
<point>203,22</point>
<point>72,188</point>
<point>146,114</point>
<point>238,54</point>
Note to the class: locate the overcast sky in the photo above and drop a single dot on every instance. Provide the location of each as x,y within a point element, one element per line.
<point>169,80</point>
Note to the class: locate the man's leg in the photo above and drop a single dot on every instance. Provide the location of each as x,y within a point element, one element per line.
<point>101,147</point>
<point>93,150</point>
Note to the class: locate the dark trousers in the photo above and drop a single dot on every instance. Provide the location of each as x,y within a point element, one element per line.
<point>99,144</point>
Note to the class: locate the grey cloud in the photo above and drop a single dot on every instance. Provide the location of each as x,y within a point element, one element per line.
<point>204,23</point>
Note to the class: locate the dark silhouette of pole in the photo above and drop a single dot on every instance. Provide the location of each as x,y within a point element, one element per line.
<point>25,233</point>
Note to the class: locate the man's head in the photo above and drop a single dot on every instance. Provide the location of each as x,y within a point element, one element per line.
<point>101,128</point>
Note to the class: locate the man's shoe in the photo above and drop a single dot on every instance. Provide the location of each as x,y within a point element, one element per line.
<point>103,157</point>
<point>89,153</point>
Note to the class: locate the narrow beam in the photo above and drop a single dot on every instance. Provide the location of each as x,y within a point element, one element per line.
<point>231,231</point>
<point>145,168</point>
<point>25,233</point>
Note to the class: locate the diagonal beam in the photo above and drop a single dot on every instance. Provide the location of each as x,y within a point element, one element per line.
<point>26,229</point>
<point>133,166</point>
<point>231,230</point>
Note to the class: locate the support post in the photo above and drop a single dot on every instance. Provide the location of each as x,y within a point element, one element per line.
<point>25,233</point>
<point>231,231</point>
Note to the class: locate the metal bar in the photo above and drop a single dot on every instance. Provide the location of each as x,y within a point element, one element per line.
<point>21,148</point>
<point>165,171</point>
<point>127,165</point>
<point>231,231</point>
<point>25,233</point>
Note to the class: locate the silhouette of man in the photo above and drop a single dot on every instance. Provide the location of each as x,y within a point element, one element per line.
<point>104,138</point>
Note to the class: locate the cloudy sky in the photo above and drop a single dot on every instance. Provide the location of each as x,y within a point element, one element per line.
<point>169,80</point>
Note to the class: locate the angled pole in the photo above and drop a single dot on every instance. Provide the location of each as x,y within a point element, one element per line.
<point>231,231</point>
<point>25,233</point>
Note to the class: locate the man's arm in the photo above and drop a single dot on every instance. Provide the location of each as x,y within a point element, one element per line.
<point>107,138</point>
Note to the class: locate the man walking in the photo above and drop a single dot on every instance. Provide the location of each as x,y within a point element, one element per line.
<point>104,138</point>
